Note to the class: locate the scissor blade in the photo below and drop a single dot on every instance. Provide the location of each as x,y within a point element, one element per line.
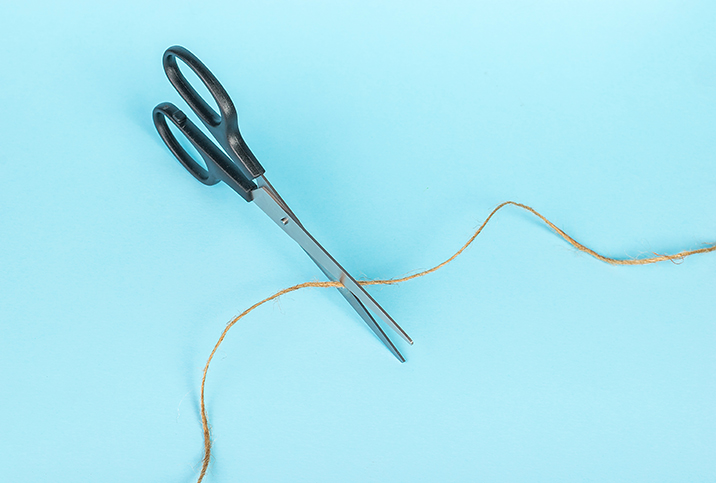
<point>320,256</point>
<point>365,315</point>
<point>370,321</point>
<point>352,300</point>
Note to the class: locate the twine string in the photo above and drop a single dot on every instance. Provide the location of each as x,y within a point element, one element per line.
<point>676,258</point>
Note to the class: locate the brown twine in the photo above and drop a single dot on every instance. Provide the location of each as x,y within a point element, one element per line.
<point>614,261</point>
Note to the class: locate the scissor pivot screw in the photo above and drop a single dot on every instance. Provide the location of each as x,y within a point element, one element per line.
<point>284,220</point>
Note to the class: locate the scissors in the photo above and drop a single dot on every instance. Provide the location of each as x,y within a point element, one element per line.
<point>230,160</point>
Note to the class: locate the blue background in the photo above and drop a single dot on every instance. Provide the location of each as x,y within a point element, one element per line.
<point>392,129</point>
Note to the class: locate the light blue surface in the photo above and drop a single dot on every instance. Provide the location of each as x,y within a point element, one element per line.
<point>392,131</point>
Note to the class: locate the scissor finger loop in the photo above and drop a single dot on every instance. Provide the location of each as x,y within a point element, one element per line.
<point>198,139</point>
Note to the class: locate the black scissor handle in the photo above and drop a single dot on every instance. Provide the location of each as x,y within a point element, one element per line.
<point>219,167</point>
<point>224,125</point>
